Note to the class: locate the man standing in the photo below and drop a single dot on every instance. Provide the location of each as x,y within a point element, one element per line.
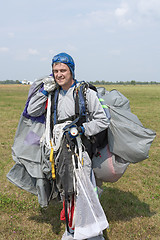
<point>74,102</point>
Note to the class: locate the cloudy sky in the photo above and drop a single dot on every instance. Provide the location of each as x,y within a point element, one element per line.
<point>111,40</point>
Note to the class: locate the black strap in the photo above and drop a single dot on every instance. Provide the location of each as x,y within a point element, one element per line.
<point>72,118</point>
<point>77,103</point>
<point>68,145</point>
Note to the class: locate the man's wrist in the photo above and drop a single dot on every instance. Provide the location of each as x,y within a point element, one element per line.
<point>81,129</point>
<point>43,91</point>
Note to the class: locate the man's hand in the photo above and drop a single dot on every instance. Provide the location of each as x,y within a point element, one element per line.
<point>49,84</point>
<point>81,130</point>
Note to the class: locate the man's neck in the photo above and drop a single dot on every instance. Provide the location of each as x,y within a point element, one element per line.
<point>65,88</point>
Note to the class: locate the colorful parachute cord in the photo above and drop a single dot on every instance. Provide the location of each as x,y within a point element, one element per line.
<point>52,161</point>
<point>105,107</point>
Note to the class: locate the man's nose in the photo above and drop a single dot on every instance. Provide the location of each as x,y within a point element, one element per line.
<point>59,74</point>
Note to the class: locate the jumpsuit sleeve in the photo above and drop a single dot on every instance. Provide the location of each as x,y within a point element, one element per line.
<point>37,104</point>
<point>98,120</point>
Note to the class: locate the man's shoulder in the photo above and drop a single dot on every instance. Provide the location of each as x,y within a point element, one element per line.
<point>86,85</point>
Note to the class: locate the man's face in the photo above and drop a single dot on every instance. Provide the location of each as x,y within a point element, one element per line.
<point>62,75</point>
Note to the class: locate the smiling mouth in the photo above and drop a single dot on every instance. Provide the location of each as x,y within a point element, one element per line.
<point>60,80</point>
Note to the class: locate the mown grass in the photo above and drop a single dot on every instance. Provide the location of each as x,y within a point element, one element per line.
<point>131,204</point>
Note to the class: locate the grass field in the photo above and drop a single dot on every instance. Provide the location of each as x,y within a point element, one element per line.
<point>132,205</point>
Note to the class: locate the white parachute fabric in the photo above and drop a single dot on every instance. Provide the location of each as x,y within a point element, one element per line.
<point>48,126</point>
<point>90,219</point>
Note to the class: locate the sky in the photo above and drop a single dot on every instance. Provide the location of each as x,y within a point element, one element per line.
<point>110,40</point>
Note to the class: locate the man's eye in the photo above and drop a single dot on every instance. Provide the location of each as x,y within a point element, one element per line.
<point>63,70</point>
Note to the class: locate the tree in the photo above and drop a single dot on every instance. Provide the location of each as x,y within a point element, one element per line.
<point>133,82</point>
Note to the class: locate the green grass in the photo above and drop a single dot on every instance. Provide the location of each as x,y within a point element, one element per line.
<point>131,204</point>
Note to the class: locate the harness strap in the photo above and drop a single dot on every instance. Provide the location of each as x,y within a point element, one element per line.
<point>72,118</point>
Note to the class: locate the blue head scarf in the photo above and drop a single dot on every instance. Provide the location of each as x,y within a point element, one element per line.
<point>66,59</point>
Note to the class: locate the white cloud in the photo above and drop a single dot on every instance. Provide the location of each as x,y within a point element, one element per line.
<point>120,12</point>
<point>32,51</point>
<point>107,17</point>
<point>4,49</point>
<point>124,14</point>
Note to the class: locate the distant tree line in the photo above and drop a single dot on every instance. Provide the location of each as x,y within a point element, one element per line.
<point>10,82</point>
<point>133,82</point>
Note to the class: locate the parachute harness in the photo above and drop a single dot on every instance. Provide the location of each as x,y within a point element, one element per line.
<point>67,169</point>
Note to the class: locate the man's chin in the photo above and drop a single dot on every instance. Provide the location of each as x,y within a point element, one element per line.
<point>60,83</point>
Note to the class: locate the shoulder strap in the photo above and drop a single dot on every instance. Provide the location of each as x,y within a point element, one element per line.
<point>80,102</point>
<point>55,105</point>
<point>81,108</point>
<point>92,87</point>
<point>77,102</point>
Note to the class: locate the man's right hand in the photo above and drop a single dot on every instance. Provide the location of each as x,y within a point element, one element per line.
<point>49,84</point>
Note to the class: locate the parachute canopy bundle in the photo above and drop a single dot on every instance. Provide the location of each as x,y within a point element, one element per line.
<point>127,137</point>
